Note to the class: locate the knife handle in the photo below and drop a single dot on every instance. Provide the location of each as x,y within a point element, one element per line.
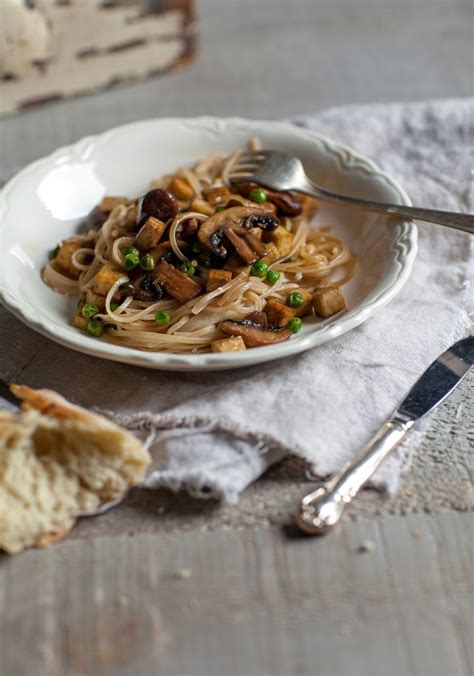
<point>321,510</point>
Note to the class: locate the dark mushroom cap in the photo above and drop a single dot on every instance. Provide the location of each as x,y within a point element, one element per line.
<point>158,203</point>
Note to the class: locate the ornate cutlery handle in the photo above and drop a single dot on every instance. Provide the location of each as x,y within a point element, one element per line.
<point>321,510</point>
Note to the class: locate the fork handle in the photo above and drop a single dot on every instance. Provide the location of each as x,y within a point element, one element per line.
<point>450,219</point>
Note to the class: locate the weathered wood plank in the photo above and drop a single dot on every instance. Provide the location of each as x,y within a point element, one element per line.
<point>245,602</point>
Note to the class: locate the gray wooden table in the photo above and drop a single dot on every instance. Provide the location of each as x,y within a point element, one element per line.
<point>170,585</point>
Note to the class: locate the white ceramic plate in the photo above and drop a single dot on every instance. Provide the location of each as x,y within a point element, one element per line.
<point>46,201</point>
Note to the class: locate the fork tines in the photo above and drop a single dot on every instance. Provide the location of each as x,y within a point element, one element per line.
<point>247,164</point>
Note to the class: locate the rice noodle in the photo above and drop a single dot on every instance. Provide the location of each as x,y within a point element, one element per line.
<point>175,224</point>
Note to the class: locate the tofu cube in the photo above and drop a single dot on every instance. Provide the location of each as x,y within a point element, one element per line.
<point>149,234</point>
<point>107,275</point>
<point>232,344</point>
<point>306,308</point>
<point>201,207</point>
<point>95,299</point>
<point>282,239</point>
<point>177,283</point>
<point>79,321</point>
<point>181,189</point>
<point>278,313</point>
<point>236,265</point>
<point>216,195</point>
<point>109,203</point>
<point>63,260</point>
<point>131,218</point>
<point>309,204</point>
<point>217,278</point>
<point>328,300</point>
<point>273,254</point>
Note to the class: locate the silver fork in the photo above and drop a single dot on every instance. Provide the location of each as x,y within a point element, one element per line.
<point>279,171</point>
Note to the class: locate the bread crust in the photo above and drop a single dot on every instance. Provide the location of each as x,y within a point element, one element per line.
<point>56,461</point>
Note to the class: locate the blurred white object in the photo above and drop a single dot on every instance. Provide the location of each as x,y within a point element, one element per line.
<point>54,50</point>
<point>25,37</point>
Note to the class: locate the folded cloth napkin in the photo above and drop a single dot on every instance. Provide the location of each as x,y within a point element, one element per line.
<point>213,434</point>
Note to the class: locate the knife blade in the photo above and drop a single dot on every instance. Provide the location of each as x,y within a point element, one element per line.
<point>439,379</point>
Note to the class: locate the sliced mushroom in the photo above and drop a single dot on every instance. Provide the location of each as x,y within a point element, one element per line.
<point>286,202</point>
<point>212,232</point>
<point>241,247</point>
<point>240,201</point>
<point>256,244</point>
<point>142,287</point>
<point>253,334</point>
<point>189,228</point>
<point>259,318</point>
<point>165,249</point>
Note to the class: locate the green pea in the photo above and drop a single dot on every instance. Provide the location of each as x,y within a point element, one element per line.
<point>113,306</point>
<point>295,299</point>
<point>260,268</point>
<point>295,325</point>
<point>258,195</point>
<point>273,276</point>
<point>54,252</point>
<point>131,261</point>
<point>196,248</point>
<point>95,328</point>
<point>162,318</point>
<point>188,268</point>
<point>147,262</point>
<point>132,250</point>
<point>89,310</point>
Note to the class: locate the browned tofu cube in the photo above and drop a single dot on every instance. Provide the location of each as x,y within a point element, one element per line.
<point>63,260</point>
<point>217,278</point>
<point>131,218</point>
<point>107,275</point>
<point>177,283</point>
<point>79,321</point>
<point>202,207</point>
<point>216,195</point>
<point>273,254</point>
<point>232,344</point>
<point>278,313</point>
<point>95,299</point>
<point>236,265</point>
<point>328,300</point>
<point>306,308</point>
<point>181,189</point>
<point>282,239</point>
<point>109,203</point>
<point>309,204</point>
<point>149,234</point>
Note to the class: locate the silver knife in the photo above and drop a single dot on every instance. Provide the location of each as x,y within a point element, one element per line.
<point>321,510</point>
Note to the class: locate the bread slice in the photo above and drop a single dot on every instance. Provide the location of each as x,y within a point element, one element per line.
<point>57,460</point>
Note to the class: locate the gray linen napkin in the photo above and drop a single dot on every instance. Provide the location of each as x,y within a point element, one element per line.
<point>213,434</point>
